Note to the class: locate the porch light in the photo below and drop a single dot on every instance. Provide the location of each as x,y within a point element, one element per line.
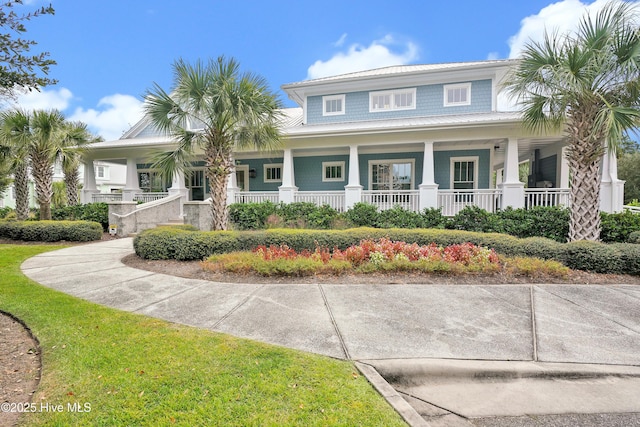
<point>252,173</point>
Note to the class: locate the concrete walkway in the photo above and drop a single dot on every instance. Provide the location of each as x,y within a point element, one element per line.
<point>560,324</point>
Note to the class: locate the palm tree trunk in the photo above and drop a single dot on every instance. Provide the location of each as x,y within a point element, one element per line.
<point>42,171</point>
<point>72,181</point>
<point>218,161</point>
<point>21,188</point>
<point>584,221</point>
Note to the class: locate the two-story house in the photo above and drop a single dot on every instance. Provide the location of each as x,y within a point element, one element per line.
<point>418,135</point>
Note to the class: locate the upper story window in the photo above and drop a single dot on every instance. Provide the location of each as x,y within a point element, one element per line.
<point>402,99</point>
<point>333,105</point>
<point>458,94</point>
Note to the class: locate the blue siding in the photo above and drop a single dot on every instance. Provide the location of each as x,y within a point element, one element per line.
<point>429,102</point>
<point>257,183</point>
<point>309,173</point>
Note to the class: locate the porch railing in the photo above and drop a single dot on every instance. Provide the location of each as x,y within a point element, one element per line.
<point>106,197</point>
<point>335,199</point>
<point>546,197</point>
<point>256,197</point>
<point>387,199</point>
<point>149,197</point>
<point>453,201</point>
<point>632,209</point>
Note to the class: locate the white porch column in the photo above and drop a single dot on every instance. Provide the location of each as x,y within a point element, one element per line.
<point>131,186</point>
<point>564,169</point>
<point>178,187</point>
<point>353,190</point>
<point>288,188</point>
<point>89,185</point>
<point>428,187</point>
<point>611,188</point>
<point>232,186</point>
<point>512,188</point>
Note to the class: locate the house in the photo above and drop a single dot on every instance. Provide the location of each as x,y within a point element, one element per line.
<point>419,136</point>
<point>109,178</point>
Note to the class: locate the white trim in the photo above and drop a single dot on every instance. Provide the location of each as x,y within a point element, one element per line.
<point>245,169</point>
<point>271,166</point>
<point>392,104</point>
<point>391,162</point>
<point>452,160</point>
<point>447,88</point>
<point>330,164</point>
<point>105,172</point>
<point>340,98</point>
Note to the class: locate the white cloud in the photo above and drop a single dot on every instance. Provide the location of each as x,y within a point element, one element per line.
<point>44,100</point>
<point>340,41</point>
<point>560,17</point>
<point>357,58</point>
<point>493,56</point>
<point>115,115</point>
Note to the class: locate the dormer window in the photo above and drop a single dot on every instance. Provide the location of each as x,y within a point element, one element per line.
<point>402,99</point>
<point>458,94</point>
<point>333,105</point>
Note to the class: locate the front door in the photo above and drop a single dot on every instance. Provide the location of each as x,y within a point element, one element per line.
<point>196,185</point>
<point>242,177</point>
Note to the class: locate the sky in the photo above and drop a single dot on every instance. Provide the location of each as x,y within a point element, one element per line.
<point>109,53</point>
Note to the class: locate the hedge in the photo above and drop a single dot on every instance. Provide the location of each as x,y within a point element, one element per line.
<point>51,231</point>
<point>180,244</point>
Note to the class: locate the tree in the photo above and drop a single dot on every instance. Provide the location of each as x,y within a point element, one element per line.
<point>629,171</point>
<point>17,66</point>
<point>17,153</point>
<point>74,141</point>
<point>589,84</point>
<point>214,108</point>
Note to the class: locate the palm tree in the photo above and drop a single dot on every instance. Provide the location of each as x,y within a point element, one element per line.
<point>214,108</point>
<point>75,138</point>
<point>11,133</point>
<point>589,84</point>
<point>38,136</point>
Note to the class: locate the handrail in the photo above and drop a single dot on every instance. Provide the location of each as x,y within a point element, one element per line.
<point>149,205</point>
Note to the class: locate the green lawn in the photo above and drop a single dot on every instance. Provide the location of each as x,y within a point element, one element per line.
<point>135,370</point>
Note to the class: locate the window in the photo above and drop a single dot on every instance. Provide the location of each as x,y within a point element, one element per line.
<point>102,172</point>
<point>464,173</point>
<point>333,105</point>
<point>332,171</point>
<point>391,174</point>
<point>273,173</point>
<point>151,182</point>
<point>404,99</point>
<point>459,94</point>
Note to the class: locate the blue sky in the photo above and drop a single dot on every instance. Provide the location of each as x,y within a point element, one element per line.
<point>110,52</point>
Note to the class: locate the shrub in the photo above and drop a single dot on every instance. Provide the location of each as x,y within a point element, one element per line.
<point>97,212</point>
<point>362,215</point>
<point>539,221</point>
<point>634,237</point>
<point>250,216</point>
<point>616,227</point>
<point>51,231</point>
<point>473,218</point>
<point>4,212</point>
<point>397,217</point>
<point>433,218</point>
<point>593,256</point>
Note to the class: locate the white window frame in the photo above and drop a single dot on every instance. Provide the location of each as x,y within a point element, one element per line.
<point>325,165</point>
<point>447,88</point>
<point>271,166</point>
<point>340,98</point>
<point>392,162</point>
<point>453,160</point>
<point>105,172</point>
<point>392,105</point>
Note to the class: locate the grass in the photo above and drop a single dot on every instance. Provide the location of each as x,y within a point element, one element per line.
<point>135,370</point>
